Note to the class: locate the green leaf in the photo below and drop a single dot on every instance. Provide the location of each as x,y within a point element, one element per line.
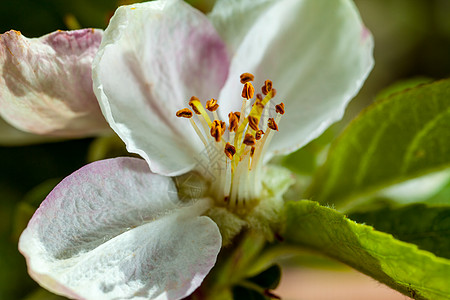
<point>441,197</point>
<point>307,159</point>
<point>401,137</point>
<point>427,227</point>
<point>402,85</point>
<point>402,266</point>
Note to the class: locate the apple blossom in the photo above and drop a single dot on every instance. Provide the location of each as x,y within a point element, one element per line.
<point>135,229</point>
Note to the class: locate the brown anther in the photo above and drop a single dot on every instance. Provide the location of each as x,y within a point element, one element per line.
<point>216,130</point>
<point>252,151</point>
<point>184,113</point>
<point>258,103</point>
<point>267,87</point>
<point>238,115</point>
<point>246,77</point>
<point>274,92</point>
<point>272,125</point>
<point>233,120</point>
<point>259,134</point>
<point>248,91</point>
<point>229,150</point>
<point>279,108</point>
<point>253,122</point>
<point>259,97</point>
<point>191,104</point>
<point>249,140</point>
<point>223,126</point>
<point>212,105</point>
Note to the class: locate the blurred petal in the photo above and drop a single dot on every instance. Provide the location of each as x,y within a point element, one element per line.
<point>153,58</point>
<point>11,136</point>
<point>317,53</point>
<point>114,230</point>
<point>46,84</point>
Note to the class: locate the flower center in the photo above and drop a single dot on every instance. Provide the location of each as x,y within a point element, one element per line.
<point>234,153</point>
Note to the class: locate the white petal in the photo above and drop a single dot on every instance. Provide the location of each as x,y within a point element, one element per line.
<point>114,230</point>
<point>153,58</point>
<point>234,18</point>
<point>317,53</point>
<point>46,83</point>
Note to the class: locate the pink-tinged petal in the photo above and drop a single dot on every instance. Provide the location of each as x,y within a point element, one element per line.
<point>154,56</point>
<point>114,230</point>
<point>317,53</point>
<point>46,83</point>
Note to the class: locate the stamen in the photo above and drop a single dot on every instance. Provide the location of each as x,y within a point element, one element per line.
<point>239,185</point>
<point>246,77</point>
<point>259,103</point>
<point>212,105</point>
<point>253,122</point>
<point>198,131</point>
<point>193,103</point>
<point>267,87</point>
<point>184,113</point>
<point>272,124</point>
<point>233,120</point>
<point>259,97</point>
<point>248,91</point>
<point>259,134</point>
<point>197,107</point>
<point>229,150</point>
<point>217,129</point>
<point>249,140</point>
<point>274,92</point>
<point>280,108</point>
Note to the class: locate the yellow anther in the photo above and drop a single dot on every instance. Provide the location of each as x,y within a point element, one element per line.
<point>197,107</point>
<point>252,151</point>
<point>233,121</point>
<point>249,140</point>
<point>259,134</point>
<point>184,113</point>
<point>272,124</point>
<point>253,122</point>
<point>246,77</point>
<point>267,87</point>
<point>223,126</point>
<point>248,91</point>
<point>280,108</point>
<point>212,105</point>
<point>217,129</point>
<point>229,150</point>
<point>194,103</point>
<point>259,97</point>
<point>259,103</point>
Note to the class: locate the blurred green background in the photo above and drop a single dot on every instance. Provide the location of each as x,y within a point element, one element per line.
<point>412,41</point>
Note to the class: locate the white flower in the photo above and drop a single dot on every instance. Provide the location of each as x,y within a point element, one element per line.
<point>117,229</point>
